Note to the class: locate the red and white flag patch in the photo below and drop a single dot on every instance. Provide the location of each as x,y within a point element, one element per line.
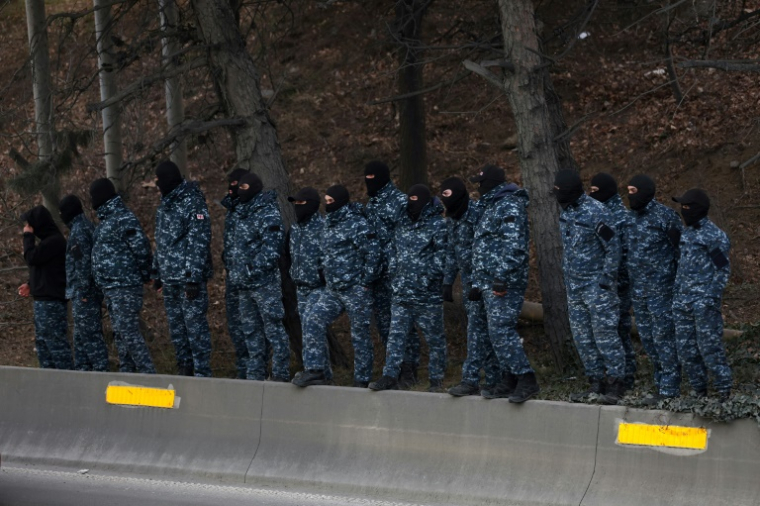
<point>199,216</point>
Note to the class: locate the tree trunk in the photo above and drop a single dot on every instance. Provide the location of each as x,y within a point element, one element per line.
<point>175,109</point>
<point>538,117</point>
<point>413,146</point>
<point>43,97</point>
<point>108,88</point>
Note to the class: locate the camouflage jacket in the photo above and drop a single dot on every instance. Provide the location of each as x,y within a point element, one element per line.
<point>183,237</point>
<point>623,221</point>
<point>652,257</point>
<point>704,267</point>
<point>461,234</point>
<point>384,211</point>
<point>501,248</point>
<point>305,253</point>
<point>350,249</point>
<point>121,255</point>
<point>257,241</point>
<point>590,243</point>
<point>79,280</point>
<point>230,221</point>
<point>419,260</point>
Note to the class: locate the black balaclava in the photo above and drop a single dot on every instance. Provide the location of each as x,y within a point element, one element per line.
<point>645,194</point>
<point>254,187</point>
<point>382,177</point>
<point>414,207</point>
<point>339,193</point>
<point>607,187</point>
<point>40,219</point>
<point>699,205</point>
<point>458,200</point>
<point>168,177</point>
<point>489,178</point>
<point>234,177</point>
<point>70,207</point>
<point>101,191</point>
<point>570,187</point>
<point>307,210</point>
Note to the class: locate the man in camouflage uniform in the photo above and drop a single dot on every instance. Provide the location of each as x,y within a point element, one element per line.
<point>604,189</point>
<point>182,267</point>
<point>500,253</point>
<point>47,284</point>
<point>463,216</point>
<point>349,261</point>
<point>591,261</point>
<point>90,351</point>
<point>121,263</point>
<point>703,271</point>
<point>416,270</point>
<point>385,208</point>
<point>652,264</point>
<point>231,292</point>
<point>252,262</point>
<point>306,256</point>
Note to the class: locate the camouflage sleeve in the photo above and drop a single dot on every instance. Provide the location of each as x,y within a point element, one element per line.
<point>718,249</point>
<point>610,241</point>
<point>441,242</point>
<point>673,227</point>
<point>272,235</point>
<point>512,230</point>
<point>366,241</point>
<point>139,245</point>
<point>198,242</point>
<point>85,281</point>
<point>451,266</point>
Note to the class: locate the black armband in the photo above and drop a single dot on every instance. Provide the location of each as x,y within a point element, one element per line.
<point>604,231</point>
<point>718,258</point>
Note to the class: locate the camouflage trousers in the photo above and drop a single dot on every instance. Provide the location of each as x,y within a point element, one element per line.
<point>260,312</point>
<point>124,305</point>
<point>235,328</point>
<point>382,298</point>
<point>428,317</point>
<point>654,321</point>
<point>594,316</point>
<point>625,325</point>
<point>502,313</point>
<point>306,298</point>
<point>90,351</point>
<point>188,328</point>
<point>50,326</point>
<point>480,352</point>
<point>328,306</point>
<point>699,339</point>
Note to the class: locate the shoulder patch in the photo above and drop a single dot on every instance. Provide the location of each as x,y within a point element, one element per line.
<point>509,219</point>
<point>718,258</point>
<point>274,228</point>
<point>604,231</point>
<point>200,217</point>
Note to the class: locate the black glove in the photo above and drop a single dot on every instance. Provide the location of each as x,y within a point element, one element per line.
<point>499,287</point>
<point>192,290</point>
<point>674,235</point>
<point>157,284</point>
<point>475,294</point>
<point>448,293</point>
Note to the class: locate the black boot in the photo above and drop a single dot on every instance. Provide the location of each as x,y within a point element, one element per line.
<point>614,391</point>
<point>724,396</point>
<point>278,380</point>
<point>527,387</point>
<point>436,386</point>
<point>464,389</point>
<point>185,370</point>
<point>308,378</point>
<point>503,389</point>
<point>361,384</point>
<point>384,383</point>
<point>408,377</point>
<point>595,387</point>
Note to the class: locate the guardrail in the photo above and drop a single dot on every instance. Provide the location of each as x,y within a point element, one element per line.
<point>402,445</point>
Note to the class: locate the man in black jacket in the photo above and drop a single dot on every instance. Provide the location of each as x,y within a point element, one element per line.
<point>47,284</point>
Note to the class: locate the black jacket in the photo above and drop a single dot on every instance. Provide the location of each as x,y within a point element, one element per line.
<point>46,258</point>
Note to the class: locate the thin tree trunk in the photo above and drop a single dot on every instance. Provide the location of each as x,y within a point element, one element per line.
<point>108,88</point>
<point>538,118</point>
<point>413,146</point>
<point>43,97</point>
<point>175,109</point>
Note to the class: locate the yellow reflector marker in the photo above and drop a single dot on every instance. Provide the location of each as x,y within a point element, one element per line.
<point>140,396</point>
<point>670,436</point>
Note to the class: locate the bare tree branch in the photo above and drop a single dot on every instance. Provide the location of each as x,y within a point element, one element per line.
<point>724,65</point>
<point>483,72</point>
<point>429,89</point>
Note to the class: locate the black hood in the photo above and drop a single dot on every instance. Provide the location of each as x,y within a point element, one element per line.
<point>645,192</point>
<point>341,196</point>
<point>255,185</point>
<point>40,219</point>
<point>168,177</point>
<point>414,207</point>
<point>455,197</point>
<point>381,177</point>
<point>101,191</point>
<point>607,187</point>
<point>698,203</point>
<point>305,211</point>
<point>569,187</point>
<point>489,177</point>
<point>234,177</point>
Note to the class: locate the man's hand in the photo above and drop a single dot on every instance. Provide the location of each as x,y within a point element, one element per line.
<point>24,290</point>
<point>28,228</point>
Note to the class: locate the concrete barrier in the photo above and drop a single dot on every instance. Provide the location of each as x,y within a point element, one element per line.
<point>61,419</point>
<point>422,447</point>
<point>726,473</point>
<point>430,447</point>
